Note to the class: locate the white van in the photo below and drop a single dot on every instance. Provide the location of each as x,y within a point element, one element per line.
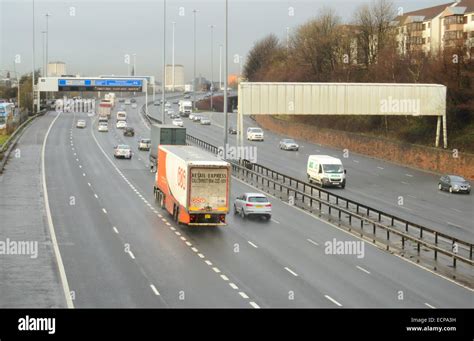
<point>121,116</point>
<point>326,170</point>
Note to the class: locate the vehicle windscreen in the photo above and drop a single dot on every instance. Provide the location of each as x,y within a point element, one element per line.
<point>288,141</point>
<point>256,130</point>
<point>333,168</point>
<point>457,179</point>
<point>257,199</point>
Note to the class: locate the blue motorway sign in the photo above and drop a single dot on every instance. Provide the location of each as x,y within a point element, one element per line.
<point>81,84</point>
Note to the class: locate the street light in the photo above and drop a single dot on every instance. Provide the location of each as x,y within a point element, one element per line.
<point>226,123</point>
<point>194,69</point>
<point>174,23</point>
<point>163,84</point>
<point>212,63</point>
<point>220,67</point>
<point>43,33</point>
<point>33,74</point>
<point>47,42</point>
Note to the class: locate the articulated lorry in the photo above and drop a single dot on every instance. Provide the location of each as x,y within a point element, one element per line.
<point>104,109</point>
<point>185,108</point>
<point>192,185</point>
<point>161,134</point>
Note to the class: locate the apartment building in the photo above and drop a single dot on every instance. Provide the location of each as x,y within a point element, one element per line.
<point>430,30</point>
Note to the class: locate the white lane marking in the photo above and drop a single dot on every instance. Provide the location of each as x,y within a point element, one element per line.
<point>255,246</point>
<point>96,196</point>
<point>452,224</point>
<point>201,255</point>
<point>291,271</point>
<point>430,306</point>
<point>89,184</point>
<point>208,262</point>
<point>182,238</point>
<point>59,261</point>
<point>275,221</point>
<point>243,294</point>
<point>233,286</point>
<point>177,233</point>
<point>255,305</point>
<point>333,300</point>
<point>356,161</point>
<point>154,290</point>
<point>189,244</point>
<point>104,210</point>
<point>115,230</point>
<point>172,228</point>
<point>160,216</point>
<point>131,254</point>
<point>405,183</point>
<point>216,270</point>
<point>380,168</point>
<point>411,196</point>
<point>83,174</point>
<point>362,269</point>
<point>80,166</point>
<point>224,277</point>
<point>455,209</point>
<point>409,175</point>
<point>312,242</point>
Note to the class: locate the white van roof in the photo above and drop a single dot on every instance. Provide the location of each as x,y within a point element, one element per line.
<point>326,158</point>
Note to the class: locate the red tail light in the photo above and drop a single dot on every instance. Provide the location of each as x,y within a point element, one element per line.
<point>192,218</point>
<point>268,205</point>
<point>249,205</point>
<point>222,218</point>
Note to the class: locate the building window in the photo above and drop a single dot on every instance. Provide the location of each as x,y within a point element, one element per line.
<point>465,20</point>
<point>424,27</point>
<point>429,25</point>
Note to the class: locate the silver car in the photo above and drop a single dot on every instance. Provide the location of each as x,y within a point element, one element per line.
<point>454,183</point>
<point>289,144</point>
<point>253,204</point>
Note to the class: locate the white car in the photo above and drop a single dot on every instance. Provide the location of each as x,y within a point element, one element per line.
<point>123,151</point>
<point>254,134</point>
<point>168,105</point>
<point>177,122</point>
<point>205,121</point>
<point>127,102</point>
<point>144,144</point>
<point>121,124</point>
<point>134,105</point>
<point>191,116</point>
<point>81,124</point>
<point>103,127</point>
<point>253,204</point>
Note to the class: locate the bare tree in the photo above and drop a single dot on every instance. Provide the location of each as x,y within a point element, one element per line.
<point>261,57</point>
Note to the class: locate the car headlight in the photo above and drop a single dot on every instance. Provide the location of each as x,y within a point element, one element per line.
<point>456,186</point>
<point>325,179</point>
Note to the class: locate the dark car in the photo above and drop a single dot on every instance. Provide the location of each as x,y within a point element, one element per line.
<point>232,131</point>
<point>454,183</point>
<point>129,131</point>
<point>133,100</point>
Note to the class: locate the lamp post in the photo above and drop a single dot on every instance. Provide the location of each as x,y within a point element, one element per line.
<point>172,56</point>
<point>226,119</point>
<point>163,84</point>
<point>194,69</point>
<point>212,64</point>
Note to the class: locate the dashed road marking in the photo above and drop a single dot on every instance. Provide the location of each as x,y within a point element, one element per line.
<point>255,246</point>
<point>115,230</point>
<point>154,290</point>
<point>254,305</point>
<point>333,300</point>
<point>216,269</point>
<point>430,306</point>
<point>291,271</point>
<point>312,242</point>
<point>104,210</point>
<point>243,294</point>
<point>224,277</point>
<point>131,254</point>
<point>233,286</point>
<point>362,269</point>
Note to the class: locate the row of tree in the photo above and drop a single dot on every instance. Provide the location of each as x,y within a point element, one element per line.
<point>325,49</point>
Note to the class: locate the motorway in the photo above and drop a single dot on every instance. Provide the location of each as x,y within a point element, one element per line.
<point>372,182</point>
<point>120,250</point>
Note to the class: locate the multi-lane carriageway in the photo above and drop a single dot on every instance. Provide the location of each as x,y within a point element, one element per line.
<point>118,249</point>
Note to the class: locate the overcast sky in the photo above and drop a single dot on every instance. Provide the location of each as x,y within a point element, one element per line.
<point>93,36</point>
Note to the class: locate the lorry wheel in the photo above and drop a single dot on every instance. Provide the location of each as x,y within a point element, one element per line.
<point>162,200</point>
